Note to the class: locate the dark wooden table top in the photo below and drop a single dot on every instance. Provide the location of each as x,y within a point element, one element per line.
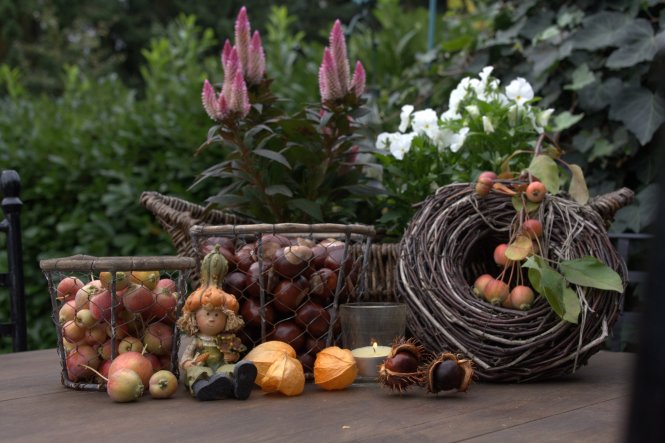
<point>589,406</point>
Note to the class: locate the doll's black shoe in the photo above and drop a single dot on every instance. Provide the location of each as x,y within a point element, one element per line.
<point>216,387</point>
<point>244,375</point>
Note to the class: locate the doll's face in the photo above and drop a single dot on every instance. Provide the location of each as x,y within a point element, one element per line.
<point>210,322</point>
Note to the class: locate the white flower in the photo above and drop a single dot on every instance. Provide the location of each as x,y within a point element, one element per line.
<point>473,110</point>
<point>450,115</point>
<point>519,90</point>
<point>457,140</point>
<point>544,117</point>
<point>383,140</point>
<point>458,94</point>
<point>485,74</point>
<point>487,125</point>
<point>425,122</point>
<point>400,144</point>
<point>405,117</point>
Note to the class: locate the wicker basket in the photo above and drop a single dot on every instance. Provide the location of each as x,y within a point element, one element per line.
<point>178,216</point>
<point>290,278</point>
<point>125,309</point>
<point>449,243</point>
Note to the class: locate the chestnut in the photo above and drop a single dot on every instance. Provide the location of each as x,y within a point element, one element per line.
<point>208,245</point>
<point>235,283</point>
<point>252,288</point>
<point>245,257</point>
<point>314,318</point>
<point>307,361</point>
<point>290,333</point>
<point>319,255</point>
<point>291,261</point>
<point>303,242</point>
<point>335,258</point>
<point>270,244</point>
<point>250,312</point>
<point>323,284</point>
<point>313,345</point>
<point>289,294</point>
<point>250,336</point>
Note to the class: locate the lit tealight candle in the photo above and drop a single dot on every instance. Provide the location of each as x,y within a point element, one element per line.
<point>369,358</point>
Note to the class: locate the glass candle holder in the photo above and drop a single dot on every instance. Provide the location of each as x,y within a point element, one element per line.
<point>368,330</point>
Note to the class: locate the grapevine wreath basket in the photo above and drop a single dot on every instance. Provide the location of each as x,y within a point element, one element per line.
<point>449,242</point>
<point>178,216</point>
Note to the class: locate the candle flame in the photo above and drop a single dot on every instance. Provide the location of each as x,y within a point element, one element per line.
<point>375,345</point>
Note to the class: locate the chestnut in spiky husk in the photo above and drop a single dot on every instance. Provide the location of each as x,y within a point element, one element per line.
<point>448,372</point>
<point>401,370</point>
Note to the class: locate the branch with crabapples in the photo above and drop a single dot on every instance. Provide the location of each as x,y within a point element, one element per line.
<point>552,279</point>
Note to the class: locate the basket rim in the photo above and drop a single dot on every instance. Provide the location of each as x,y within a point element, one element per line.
<point>283,228</point>
<point>113,264</point>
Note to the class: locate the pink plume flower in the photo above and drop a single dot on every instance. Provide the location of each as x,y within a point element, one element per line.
<point>214,106</point>
<point>242,35</point>
<point>256,62</point>
<point>359,78</point>
<point>328,77</point>
<point>238,100</point>
<point>323,84</point>
<point>338,51</point>
<point>226,52</point>
<point>231,66</point>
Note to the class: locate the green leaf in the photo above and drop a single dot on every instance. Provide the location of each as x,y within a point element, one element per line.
<point>597,95</point>
<point>582,76</point>
<point>311,208</point>
<point>638,45</point>
<point>572,305</point>
<point>530,206</point>
<point>640,110</point>
<point>547,171</point>
<point>601,148</point>
<point>519,249</point>
<point>547,282</point>
<point>226,201</point>
<point>578,189</point>
<point>589,271</point>
<point>600,30</point>
<point>565,120</point>
<point>279,189</point>
<point>272,155</point>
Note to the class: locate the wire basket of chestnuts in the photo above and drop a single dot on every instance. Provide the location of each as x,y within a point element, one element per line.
<point>525,289</point>
<point>289,279</point>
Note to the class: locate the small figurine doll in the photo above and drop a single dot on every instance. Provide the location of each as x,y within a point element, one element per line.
<point>210,316</point>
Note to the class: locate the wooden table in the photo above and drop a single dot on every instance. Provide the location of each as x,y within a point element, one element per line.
<point>590,406</point>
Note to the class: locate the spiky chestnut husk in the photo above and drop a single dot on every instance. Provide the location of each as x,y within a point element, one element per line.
<point>401,369</point>
<point>451,377</point>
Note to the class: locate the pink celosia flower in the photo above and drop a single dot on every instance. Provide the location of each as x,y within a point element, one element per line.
<point>256,61</point>
<point>238,99</point>
<point>242,34</point>
<point>328,77</point>
<point>226,52</point>
<point>214,106</point>
<point>358,80</point>
<point>231,66</point>
<point>338,52</point>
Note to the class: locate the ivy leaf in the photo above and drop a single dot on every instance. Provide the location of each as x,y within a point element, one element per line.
<point>640,110</point>
<point>547,282</point>
<point>279,189</point>
<point>578,189</point>
<point>572,305</point>
<point>311,208</point>
<point>597,95</point>
<point>582,76</point>
<point>600,30</point>
<point>601,148</point>
<point>547,171</point>
<point>639,44</point>
<point>519,249</point>
<point>272,155</point>
<point>565,120</point>
<point>589,271</point>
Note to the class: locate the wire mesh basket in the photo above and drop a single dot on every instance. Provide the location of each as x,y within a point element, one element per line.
<point>105,306</point>
<point>290,278</point>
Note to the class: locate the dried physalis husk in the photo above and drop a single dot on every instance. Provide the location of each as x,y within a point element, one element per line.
<point>285,375</point>
<point>449,372</point>
<point>334,368</point>
<point>265,354</point>
<point>402,367</point>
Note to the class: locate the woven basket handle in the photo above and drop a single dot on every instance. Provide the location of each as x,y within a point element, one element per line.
<point>608,204</point>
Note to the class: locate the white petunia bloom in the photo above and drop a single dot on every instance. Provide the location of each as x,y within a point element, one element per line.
<point>425,122</point>
<point>473,110</point>
<point>401,144</point>
<point>519,90</point>
<point>405,117</point>
<point>450,115</point>
<point>443,139</point>
<point>487,125</point>
<point>544,117</point>
<point>383,140</point>
<point>458,94</point>
<point>457,140</point>
<point>485,74</point>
